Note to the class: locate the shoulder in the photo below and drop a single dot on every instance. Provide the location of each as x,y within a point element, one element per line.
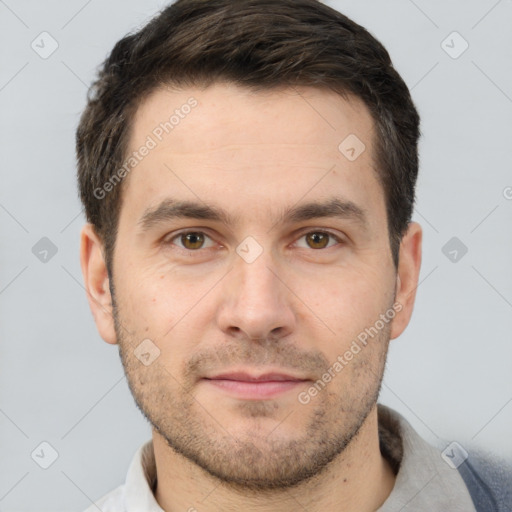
<point>489,481</point>
<point>114,501</point>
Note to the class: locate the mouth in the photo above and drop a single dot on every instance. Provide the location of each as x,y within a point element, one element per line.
<point>248,386</point>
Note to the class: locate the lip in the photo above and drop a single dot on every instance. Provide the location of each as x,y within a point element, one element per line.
<point>247,377</point>
<point>245,386</point>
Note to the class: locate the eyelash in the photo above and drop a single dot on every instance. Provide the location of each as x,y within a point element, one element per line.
<point>170,241</point>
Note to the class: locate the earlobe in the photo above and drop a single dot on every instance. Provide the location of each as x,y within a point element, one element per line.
<point>407,277</point>
<point>96,282</point>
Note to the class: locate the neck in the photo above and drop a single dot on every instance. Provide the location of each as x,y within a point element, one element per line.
<point>359,479</point>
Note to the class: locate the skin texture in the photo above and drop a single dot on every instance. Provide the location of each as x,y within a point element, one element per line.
<point>298,306</point>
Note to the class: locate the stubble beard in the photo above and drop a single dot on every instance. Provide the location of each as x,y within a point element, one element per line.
<point>253,461</point>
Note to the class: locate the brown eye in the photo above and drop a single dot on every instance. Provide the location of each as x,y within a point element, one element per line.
<point>192,240</point>
<point>317,239</point>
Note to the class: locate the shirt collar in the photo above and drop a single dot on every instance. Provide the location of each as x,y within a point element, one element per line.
<point>141,481</point>
<point>424,480</point>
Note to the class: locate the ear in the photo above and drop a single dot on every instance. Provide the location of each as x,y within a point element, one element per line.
<point>96,281</point>
<point>409,264</point>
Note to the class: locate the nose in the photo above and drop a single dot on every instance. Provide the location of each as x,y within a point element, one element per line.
<point>256,301</point>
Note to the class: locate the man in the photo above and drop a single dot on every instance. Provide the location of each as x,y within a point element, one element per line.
<point>248,173</point>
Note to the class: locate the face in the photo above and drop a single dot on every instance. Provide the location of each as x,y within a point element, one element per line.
<point>249,242</point>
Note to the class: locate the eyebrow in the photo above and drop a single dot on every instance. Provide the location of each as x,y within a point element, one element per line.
<point>171,209</point>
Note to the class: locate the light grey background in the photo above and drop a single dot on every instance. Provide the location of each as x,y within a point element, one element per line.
<point>449,374</point>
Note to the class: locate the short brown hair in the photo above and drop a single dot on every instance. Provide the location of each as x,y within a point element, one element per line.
<point>258,44</point>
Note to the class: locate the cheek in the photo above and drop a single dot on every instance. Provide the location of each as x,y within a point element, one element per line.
<point>161,306</point>
<point>351,301</point>
<point>143,302</point>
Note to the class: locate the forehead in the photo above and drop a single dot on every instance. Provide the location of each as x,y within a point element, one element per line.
<point>228,114</point>
<point>265,146</point>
